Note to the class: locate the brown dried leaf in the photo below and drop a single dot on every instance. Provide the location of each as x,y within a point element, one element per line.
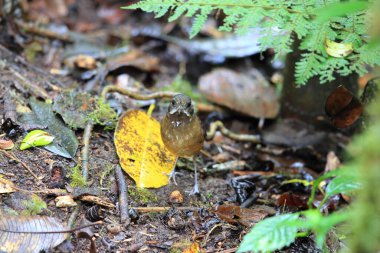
<point>245,216</point>
<point>135,58</point>
<point>24,234</point>
<point>6,186</point>
<point>293,200</point>
<point>343,107</point>
<point>6,144</point>
<point>249,93</point>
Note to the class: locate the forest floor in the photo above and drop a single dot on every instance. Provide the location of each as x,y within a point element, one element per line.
<point>241,183</point>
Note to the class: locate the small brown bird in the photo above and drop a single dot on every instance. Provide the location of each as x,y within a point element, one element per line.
<point>182,132</point>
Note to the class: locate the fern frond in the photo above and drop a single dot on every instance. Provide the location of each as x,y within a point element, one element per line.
<point>307,67</point>
<point>281,21</point>
<point>199,21</point>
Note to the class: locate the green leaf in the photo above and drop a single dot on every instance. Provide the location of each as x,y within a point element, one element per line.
<point>271,234</point>
<point>344,183</point>
<point>36,138</point>
<point>321,225</point>
<point>199,21</point>
<point>177,13</point>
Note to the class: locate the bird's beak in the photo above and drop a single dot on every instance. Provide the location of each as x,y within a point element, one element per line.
<point>180,110</point>
<point>173,111</point>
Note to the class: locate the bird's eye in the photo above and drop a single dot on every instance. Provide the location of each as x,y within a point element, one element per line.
<point>188,104</point>
<point>173,102</point>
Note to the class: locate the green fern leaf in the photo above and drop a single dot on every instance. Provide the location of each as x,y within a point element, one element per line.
<point>199,21</point>
<point>307,67</point>
<point>271,234</point>
<point>282,20</point>
<point>162,11</point>
<point>180,10</point>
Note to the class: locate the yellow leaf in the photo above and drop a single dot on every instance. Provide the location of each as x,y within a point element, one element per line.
<point>141,151</point>
<point>338,50</point>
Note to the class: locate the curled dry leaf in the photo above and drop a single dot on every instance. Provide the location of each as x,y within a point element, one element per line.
<point>245,216</point>
<point>332,162</point>
<point>6,186</point>
<point>176,197</point>
<point>30,234</point>
<point>141,151</point>
<point>85,62</point>
<point>6,144</point>
<point>343,108</point>
<point>338,50</point>
<point>65,201</point>
<point>194,248</point>
<point>134,58</point>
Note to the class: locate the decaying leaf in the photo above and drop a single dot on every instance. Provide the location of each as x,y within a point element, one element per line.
<point>141,151</point>
<point>343,108</point>
<point>36,138</point>
<point>65,201</point>
<point>249,94</point>
<point>194,248</point>
<point>6,186</point>
<point>245,216</point>
<point>74,107</point>
<point>134,58</point>
<point>65,142</point>
<point>24,234</point>
<point>6,144</point>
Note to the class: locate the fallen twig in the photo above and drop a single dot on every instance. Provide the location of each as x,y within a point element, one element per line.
<point>156,209</point>
<point>218,125</point>
<point>84,165</point>
<point>123,194</point>
<point>43,32</point>
<point>136,95</point>
<point>85,150</point>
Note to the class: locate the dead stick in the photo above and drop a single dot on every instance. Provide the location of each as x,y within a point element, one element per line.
<point>136,95</point>
<point>13,157</point>
<point>218,125</point>
<point>43,32</point>
<point>123,194</point>
<point>85,149</point>
<point>224,251</point>
<point>153,209</point>
<point>84,165</point>
<point>54,232</point>
<point>55,192</point>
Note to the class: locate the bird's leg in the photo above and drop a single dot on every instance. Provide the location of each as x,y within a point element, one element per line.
<point>261,123</point>
<point>173,174</point>
<point>195,189</point>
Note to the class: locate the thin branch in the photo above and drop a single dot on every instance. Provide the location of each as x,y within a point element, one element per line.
<point>85,149</point>
<point>218,125</point>
<point>123,194</point>
<point>136,95</point>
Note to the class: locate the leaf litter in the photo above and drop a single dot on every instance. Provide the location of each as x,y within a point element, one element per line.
<point>154,231</point>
